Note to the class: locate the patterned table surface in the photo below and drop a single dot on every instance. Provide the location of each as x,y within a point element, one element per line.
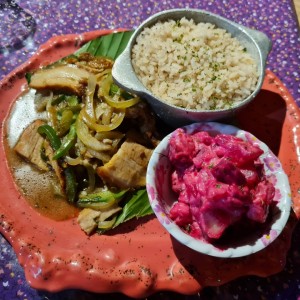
<point>25,25</point>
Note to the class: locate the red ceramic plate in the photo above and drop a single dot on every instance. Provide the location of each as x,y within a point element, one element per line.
<point>140,257</point>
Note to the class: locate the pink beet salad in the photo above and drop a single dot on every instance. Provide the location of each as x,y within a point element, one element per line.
<point>219,181</point>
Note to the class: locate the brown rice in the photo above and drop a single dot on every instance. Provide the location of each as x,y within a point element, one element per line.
<point>195,66</point>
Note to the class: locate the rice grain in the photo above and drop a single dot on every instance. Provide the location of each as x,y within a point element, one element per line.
<point>195,66</point>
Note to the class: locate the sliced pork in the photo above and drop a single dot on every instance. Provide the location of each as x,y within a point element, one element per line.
<point>127,168</point>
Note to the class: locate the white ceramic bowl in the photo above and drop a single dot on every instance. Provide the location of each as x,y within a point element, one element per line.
<point>162,198</point>
<point>257,43</point>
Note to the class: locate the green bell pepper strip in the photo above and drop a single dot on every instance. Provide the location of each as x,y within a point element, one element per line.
<point>71,184</point>
<point>101,200</point>
<point>67,144</point>
<point>65,122</point>
<point>49,132</point>
<point>58,100</point>
<point>72,100</point>
<point>102,196</point>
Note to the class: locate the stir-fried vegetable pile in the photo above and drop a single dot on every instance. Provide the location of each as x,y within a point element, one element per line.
<point>101,139</point>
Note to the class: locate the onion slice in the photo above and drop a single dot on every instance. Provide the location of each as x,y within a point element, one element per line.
<point>86,138</point>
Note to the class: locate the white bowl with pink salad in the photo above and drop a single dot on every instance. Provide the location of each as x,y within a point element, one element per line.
<point>218,190</point>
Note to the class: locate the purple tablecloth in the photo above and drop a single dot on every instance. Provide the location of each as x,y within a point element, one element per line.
<point>25,25</point>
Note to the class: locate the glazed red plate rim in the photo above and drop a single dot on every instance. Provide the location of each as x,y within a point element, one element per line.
<point>140,258</point>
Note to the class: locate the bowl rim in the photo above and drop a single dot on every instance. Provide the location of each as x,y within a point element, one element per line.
<point>199,245</point>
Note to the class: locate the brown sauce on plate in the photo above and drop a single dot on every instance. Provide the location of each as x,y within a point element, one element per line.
<point>39,188</point>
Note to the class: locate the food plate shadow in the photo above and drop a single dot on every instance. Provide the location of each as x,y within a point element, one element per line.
<point>130,226</point>
<point>264,118</point>
<point>216,271</point>
<point>247,233</point>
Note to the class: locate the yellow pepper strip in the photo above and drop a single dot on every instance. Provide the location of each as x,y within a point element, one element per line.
<point>109,100</point>
<point>104,156</point>
<point>121,104</point>
<point>86,138</point>
<point>107,224</point>
<point>103,73</point>
<point>91,177</point>
<point>65,122</point>
<point>51,111</point>
<point>73,161</point>
<point>112,135</point>
<point>52,116</point>
<point>96,205</point>
<point>116,121</point>
<point>89,103</point>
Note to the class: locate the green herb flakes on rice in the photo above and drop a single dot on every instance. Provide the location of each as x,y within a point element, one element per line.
<point>194,66</point>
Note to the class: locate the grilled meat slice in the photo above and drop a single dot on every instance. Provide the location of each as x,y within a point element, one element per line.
<point>93,64</point>
<point>71,76</point>
<point>30,145</point>
<point>127,168</point>
<point>88,220</point>
<point>144,120</point>
<point>64,78</point>
<point>49,153</point>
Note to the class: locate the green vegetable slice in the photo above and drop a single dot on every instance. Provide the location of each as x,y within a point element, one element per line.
<point>49,132</point>
<point>138,206</point>
<point>71,184</point>
<point>65,121</point>
<point>58,100</point>
<point>67,144</point>
<point>28,77</point>
<point>103,196</point>
<point>101,200</point>
<point>111,45</point>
